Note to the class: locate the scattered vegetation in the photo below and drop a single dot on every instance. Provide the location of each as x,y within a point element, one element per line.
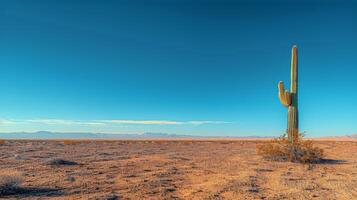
<point>59,162</point>
<point>9,181</point>
<point>280,149</point>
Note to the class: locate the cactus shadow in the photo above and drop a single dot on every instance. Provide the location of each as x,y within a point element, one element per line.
<point>326,161</point>
<point>23,192</point>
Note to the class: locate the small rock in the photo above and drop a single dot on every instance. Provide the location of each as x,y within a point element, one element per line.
<point>112,197</point>
<point>71,179</point>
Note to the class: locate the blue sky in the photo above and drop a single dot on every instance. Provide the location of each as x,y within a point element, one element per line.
<point>186,67</point>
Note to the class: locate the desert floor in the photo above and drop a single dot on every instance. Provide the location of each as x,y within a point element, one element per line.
<point>175,169</point>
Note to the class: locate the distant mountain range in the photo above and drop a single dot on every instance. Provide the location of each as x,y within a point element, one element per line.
<point>353,137</point>
<point>78,135</point>
<point>89,135</point>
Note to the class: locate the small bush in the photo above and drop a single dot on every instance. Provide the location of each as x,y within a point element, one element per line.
<point>2,141</point>
<point>9,181</point>
<point>281,149</point>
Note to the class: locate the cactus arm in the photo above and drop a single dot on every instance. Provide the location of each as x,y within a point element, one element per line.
<point>284,95</point>
<point>288,97</point>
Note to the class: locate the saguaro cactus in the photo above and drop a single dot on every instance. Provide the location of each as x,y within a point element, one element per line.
<point>290,99</point>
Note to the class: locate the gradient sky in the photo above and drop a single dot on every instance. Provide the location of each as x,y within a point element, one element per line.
<point>176,66</point>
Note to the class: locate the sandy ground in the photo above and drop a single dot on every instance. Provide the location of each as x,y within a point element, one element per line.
<point>181,169</point>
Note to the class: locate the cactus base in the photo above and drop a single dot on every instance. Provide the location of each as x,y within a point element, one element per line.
<point>293,124</point>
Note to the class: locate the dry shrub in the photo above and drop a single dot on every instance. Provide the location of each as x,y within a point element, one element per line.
<point>2,141</point>
<point>281,149</point>
<point>10,180</point>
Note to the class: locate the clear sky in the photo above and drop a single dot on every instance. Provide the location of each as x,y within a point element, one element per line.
<point>199,67</point>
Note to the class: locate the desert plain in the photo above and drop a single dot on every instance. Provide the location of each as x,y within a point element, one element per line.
<point>173,169</point>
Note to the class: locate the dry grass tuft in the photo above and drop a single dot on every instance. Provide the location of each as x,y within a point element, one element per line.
<point>281,149</point>
<point>2,141</point>
<point>10,180</point>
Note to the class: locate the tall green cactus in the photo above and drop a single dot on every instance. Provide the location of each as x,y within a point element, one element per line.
<point>290,99</point>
